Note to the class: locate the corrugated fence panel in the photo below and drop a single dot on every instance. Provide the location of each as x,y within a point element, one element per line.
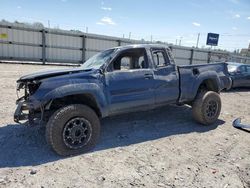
<point>26,36</point>
<point>22,36</point>
<point>200,55</point>
<point>59,45</point>
<point>98,44</point>
<point>89,54</point>
<point>182,53</point>
<point>215,58</point>
<point>63,41</point>
<point>125,43</point>
<point>181,61</point>
<point>19,51</point>
<point>63,54</point>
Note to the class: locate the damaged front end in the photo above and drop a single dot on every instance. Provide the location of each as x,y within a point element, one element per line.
<point>26,110</point>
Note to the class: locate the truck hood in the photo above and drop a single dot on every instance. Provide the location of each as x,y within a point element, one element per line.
<point>50,73</point>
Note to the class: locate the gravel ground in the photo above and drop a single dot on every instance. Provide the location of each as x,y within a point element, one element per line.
<point>163,148</point>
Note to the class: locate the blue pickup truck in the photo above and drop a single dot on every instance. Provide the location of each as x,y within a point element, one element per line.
<point>118,80</point>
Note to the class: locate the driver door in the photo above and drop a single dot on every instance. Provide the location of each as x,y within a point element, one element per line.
<point>130,82</point>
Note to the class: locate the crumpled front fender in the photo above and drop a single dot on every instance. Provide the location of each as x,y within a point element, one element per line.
<point>40,98</point>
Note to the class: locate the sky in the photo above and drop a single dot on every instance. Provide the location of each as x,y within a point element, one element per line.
<point>171,21</point>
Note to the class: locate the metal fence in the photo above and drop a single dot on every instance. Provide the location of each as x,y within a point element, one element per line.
<point>20,43</point>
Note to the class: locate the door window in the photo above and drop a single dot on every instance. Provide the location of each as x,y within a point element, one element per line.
<point>242,69</point>
<point>248,69</point>
<point>129,60</point>
<point>125,63</point>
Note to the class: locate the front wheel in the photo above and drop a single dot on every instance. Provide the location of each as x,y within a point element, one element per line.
<point>206,107</point>
<point>73,129</point>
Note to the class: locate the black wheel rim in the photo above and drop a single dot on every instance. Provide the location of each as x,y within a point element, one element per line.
<point>77,133</point>
<point>211,109</point>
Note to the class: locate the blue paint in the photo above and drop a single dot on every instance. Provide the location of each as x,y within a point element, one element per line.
<point>121,91</point>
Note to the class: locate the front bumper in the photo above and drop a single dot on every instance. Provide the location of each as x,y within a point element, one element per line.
<point>22,111</point>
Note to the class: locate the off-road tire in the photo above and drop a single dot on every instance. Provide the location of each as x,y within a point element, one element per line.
<point>206,107</point>
<point>56,125</point>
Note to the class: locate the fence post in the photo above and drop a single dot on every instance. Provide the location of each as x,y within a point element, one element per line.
<point>83,48</point>
<point>43,46</point>
<point>119,42</point>
<point>191,57</point>
<point>209,57</point>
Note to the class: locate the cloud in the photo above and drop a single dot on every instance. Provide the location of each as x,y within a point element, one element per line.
<point>234,28</point>
<point>196,24</point>
<point>106,21</point>
<point>19,7</point>
<point>236,16</point>
<point>248,18</point>
<point>106,8</point>
<point>100,23</point>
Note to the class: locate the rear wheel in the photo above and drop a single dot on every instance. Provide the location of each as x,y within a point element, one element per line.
<point>206,107</point>
<point>73,129</point>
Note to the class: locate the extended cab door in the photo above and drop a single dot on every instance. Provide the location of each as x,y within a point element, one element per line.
<point>129,82</point>
<point>166,82</point>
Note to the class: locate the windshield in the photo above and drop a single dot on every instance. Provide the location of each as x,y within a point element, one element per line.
<point>98,60</point>
<point>232,68</point>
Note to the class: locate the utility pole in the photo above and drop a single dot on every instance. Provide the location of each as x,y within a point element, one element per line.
<point>198,38</point>
<point>176,41</point>
<point>48,24</point>
<point>151,38</point>
<point>129,35</point>
<point>180,41</point>
<point>87,29</point>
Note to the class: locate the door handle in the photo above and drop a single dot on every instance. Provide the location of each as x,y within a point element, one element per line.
<point>148,76</point>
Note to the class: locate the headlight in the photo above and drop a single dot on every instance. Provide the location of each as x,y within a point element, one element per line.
<point>32,87</point>
<point>20,85</point>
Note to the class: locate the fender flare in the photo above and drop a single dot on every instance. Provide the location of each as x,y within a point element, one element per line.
<point>205,76</point>
<point>91,89</point>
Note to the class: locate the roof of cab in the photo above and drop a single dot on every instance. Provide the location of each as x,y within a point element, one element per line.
<point>147,46</point>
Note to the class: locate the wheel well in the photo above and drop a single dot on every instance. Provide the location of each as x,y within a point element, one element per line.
<point>85,99</point>
<point>209,85</point>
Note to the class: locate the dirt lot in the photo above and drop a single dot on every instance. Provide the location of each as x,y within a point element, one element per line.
<point>163,148</point>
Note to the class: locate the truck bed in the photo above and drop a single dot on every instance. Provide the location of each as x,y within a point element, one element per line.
<point>191,76</point>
